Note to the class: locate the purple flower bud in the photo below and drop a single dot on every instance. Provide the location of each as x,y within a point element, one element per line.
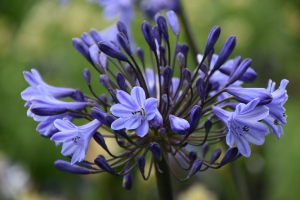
<point>162,23</point>
<point>157,34</point>
<point>112,51</point>
<point>127,179</point>
<point>94,54</point>
<point>122,28</point>
<point>204,69</point>
<point>192,156</point>
<point>236,62</point>
<point>78,96</point>
<point>103,98</point>
<point>215,156</point>
<point>95,35</point>
<point>201,88</point>
<point>121,142</point>
<point>47,111</point>
<point>242,68</point>
<point>88,40</point>
<point>229,155</point>
<point>156,151</point>
<point>164,97</point>
<point>110,119</point>
<point>212,39</point>
<point>115,44</point>
<point>167,74</point>
<point>210,55</point>
<point>178,48</point>
<point>233,105</point>
<point>178,125</point>
<point>121,81</point>
<point>149,35</point>
<point>225,52</point>
<point>141,164</point>
<point>98,114</point>
<point>157,121</point>
<point>103,59</point>
<point>195,118</point>
<point>124,43</point>
<point>140,54</point>
<point>185,49</point>
<point>173,22</point>
<point>187,74</point>
<point>104,81</point>
<point>207,125</point>
<point>195,168</point>
<point>205,149</point>
<point>80,46</point>
<point>102,163</point>
<point>100,140</point>
<point>245,95</point>
<point>67,167</point>
<point>180,58</point>
<point>87,75</point>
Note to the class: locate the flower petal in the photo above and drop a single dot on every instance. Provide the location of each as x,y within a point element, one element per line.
<point>133,122</point>
<point>222,114</point>
<point>143,129</point>
<point>119,123</point>
<point>64,136</point>
<point>242,144</point>
<point>64,125</point>
<point>138,97</point>
<point>229,139</point>
<point>125,99</point>
<point>121,110</point>
<point>150,108</point>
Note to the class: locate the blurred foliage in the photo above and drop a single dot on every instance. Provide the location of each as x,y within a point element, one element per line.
<point>37,34</point>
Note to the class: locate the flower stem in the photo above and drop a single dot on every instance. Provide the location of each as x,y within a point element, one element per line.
<point>163,180</point>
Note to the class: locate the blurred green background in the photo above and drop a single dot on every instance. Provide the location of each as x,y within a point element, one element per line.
<point>37,34</point>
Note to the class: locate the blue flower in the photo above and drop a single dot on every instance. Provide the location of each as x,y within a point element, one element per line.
<point>75,139</point>
<point>134,111</point>
<point>277,116</point>
<point>34,79</point>
<point>244,125</point>
<point>46,105</point>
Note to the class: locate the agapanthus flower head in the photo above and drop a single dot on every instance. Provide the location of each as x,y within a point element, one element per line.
<point>151,111</point>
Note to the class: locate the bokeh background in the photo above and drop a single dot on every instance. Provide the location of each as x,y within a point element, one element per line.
<point>37,34</point>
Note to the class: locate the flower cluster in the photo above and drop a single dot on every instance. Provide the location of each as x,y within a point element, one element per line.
<point>151,111</point>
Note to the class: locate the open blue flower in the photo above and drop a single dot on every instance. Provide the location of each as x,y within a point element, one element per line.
<point>34,79</point>
<point>244,125</point>
<point>134,111</point>
<point>277,116</point>
<point>75,139</point>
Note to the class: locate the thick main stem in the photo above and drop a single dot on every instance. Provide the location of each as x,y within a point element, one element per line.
<point>163,181</point>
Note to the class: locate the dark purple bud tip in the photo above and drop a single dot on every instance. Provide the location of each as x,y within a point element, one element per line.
<point>215,156</point>
<point>195,168</point>
<point>67,167</point>
<point>140,54</point>
<point>124,43</point>
<point>162,23</point>
<point>207,126</point>
<point>100,140</point>
<point>210,55</point>
<point>121,142</point>
<point>157,121</point>
<point>104,81</point>
<point>205,149</point>
<point>78,96</point>
<point>82,48</point>
<point>149,35</point>
<point>185,49</point>
<point>192,156</point>
<point>204,69</point>
<point>157,34</point>
<point>121,81</point>
<point>122,28</point>
<point>103,164</point>
<point>167,74</point>
<point>225,52</point>
<point>173,22</point>
<point>111,50</point>
<point>229,155</point>
<point>103,98</point>
<point>47,110</point>
<point>98,114</point>
<point>195,118</point>
<point>180,58</point>
<point>95,35</point>
<point>240,71</point>
<point>212,39</point>
<point>127,179</point>
<point>201,88</point>
<point>88,40</point>
<point>156,151</point>
<point>187,74</point>
<point>164,97</point>
<point>87,75</point>
<point>141,164</point>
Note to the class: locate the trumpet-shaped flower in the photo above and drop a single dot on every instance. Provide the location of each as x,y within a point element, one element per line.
<point>244,125</point>
<point>134,111</point>
<point>277,116</point>
<point>75,138</point>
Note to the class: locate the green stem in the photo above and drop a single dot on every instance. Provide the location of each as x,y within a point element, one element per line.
<point>163,180</point>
